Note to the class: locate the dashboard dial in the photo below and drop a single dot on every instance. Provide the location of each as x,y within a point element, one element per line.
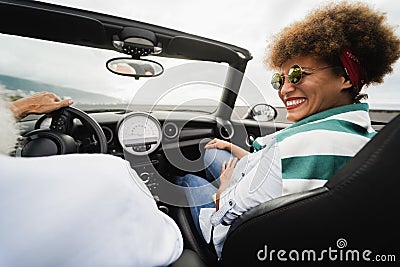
<point>139,133</point>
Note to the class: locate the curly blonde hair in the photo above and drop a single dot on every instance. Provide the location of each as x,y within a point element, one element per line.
<point>326,31</point>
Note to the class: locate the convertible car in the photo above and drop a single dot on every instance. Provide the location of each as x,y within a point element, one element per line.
<point>154,96</point>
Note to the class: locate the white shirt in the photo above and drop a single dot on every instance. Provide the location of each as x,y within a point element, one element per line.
<point>81,210</point>
<point>256,179</point>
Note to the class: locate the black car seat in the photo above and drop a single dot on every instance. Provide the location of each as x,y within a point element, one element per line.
<point>353,217</point>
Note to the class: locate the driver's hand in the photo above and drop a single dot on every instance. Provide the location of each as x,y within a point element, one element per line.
<point>38,103</point>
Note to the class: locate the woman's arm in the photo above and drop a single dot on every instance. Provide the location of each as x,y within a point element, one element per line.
<point>237,151</point>
<point>225,178</point>
<point>260,181</point>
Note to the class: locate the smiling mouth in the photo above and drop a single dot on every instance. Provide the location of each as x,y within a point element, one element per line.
<point>294,103</point>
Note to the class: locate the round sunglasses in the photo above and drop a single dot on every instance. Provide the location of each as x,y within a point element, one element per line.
<point>294,75</point>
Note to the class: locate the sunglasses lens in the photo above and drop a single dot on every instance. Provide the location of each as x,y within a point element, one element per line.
<point>277,81</point>
<point>295,74</point>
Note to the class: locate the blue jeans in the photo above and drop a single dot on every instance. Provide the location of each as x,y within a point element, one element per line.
<point>199,190</point>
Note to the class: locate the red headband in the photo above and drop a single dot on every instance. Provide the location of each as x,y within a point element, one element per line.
<point>353,68</point>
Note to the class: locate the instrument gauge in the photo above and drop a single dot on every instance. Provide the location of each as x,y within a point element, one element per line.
<point>139,133</point>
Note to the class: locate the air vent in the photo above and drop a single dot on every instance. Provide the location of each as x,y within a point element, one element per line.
<point>170,130</point>
<point>108,133</point>
<point>226,133</point>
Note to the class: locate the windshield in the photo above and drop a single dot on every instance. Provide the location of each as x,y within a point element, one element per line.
<point>30,65</point>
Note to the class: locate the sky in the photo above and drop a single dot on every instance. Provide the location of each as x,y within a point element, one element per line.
<point>248,24</point>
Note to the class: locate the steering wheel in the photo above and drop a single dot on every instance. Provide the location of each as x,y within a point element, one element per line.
<point>61,137</point>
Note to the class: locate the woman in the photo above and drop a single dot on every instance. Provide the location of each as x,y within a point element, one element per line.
<point>322,64</point>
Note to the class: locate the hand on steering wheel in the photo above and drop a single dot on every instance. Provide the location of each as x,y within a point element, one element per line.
<point>59,138</point>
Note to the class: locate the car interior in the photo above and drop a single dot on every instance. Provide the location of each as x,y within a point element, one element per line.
<point>357,204</point>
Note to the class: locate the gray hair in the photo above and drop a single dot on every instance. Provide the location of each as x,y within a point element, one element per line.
<point>8,130</point>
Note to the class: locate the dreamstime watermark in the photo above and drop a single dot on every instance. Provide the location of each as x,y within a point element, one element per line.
<point>338,253</point>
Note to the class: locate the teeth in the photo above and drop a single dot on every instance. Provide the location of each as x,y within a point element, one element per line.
<point>295,102</point>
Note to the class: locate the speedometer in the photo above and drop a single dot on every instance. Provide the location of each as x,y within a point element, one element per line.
<point>139,133</point>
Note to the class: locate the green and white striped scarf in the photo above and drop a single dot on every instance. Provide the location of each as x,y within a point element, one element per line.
<point>315,148</point>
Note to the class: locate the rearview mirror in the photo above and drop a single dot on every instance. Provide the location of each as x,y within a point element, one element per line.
<point>134,67</point>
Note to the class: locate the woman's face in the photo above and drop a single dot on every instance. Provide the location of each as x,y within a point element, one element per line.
<point>321,90</point>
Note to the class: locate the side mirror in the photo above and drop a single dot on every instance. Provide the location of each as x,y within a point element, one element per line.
<point>134,67</point>
<point>261,112</point>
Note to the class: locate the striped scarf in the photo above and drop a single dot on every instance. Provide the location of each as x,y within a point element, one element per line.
<point>315,148</point>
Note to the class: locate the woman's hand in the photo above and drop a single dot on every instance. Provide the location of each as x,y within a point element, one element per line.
<point>225,177</point>
<point>220,144</point>
<point>38,103</point>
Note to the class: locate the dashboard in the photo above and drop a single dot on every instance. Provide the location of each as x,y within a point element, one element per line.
<point>139,133</point>
<point>158,145</point>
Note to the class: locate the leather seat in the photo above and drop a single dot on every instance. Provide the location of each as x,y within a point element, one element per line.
<point>354,214</point>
